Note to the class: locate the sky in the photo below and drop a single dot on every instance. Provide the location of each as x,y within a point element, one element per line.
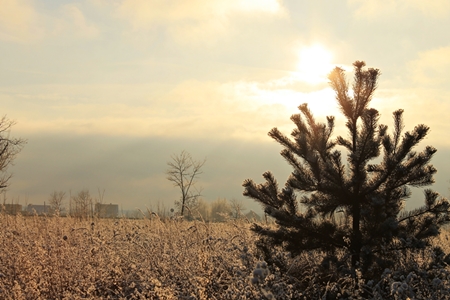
<point>105,91</point>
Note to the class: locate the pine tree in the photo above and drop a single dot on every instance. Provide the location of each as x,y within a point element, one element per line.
<point>357,208</point>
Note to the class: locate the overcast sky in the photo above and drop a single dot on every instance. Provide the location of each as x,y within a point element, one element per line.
<point>106,90</point>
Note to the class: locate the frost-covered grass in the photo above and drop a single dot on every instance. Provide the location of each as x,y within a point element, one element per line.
<point>65,258</point>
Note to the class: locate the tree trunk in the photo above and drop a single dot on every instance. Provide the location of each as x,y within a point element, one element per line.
<point>183,201</point>
<point>356,238</point>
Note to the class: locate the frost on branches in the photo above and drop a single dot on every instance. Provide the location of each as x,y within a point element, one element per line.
<point>351,212</point>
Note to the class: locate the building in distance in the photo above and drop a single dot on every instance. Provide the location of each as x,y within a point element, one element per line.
<point>11,209</point>
<point>106,210</point>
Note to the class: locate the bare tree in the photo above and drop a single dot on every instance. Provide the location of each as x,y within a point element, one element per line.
<point>220,210</point>
<point>56,201</point>
<point>83,204</point>
<point>9,148</point>
<point>100,209</point>
<point>183,171</point>
<point>236,208</point>
<point>204,210</point>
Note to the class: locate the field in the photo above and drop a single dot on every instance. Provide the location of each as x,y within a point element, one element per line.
<point>67,258</point>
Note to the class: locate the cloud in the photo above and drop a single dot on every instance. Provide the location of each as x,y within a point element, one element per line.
<point>135,110</point>
<point>431,68</point>
<point>192,21</point>
<point>74,22</point>
<point>242,110</point>
<point>394,8</point>
<point>19,21</point>
<point>199,109</point>
<point>132,169</point>
<point>123,165</point>
<point>418,104</point>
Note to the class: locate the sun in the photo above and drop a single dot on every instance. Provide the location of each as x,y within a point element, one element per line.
<point>314,64</point>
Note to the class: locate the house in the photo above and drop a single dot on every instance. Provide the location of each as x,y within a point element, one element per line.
<point>251,215</point>
<point>37,209</point>
<point>106,210</point>
<point>11,209</point>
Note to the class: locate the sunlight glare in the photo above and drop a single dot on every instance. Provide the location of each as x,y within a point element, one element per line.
<point>314,64</point>
<point>272,6</point>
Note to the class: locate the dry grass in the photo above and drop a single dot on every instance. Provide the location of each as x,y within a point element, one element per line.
<point>64,258</point>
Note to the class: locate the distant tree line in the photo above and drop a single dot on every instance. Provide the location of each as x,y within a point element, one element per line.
<point>219,210</point>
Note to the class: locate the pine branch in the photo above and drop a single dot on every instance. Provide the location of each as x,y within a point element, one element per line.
<point>371,195</point>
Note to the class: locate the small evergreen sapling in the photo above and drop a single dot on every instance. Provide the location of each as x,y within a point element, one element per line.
<point>369,197</point>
